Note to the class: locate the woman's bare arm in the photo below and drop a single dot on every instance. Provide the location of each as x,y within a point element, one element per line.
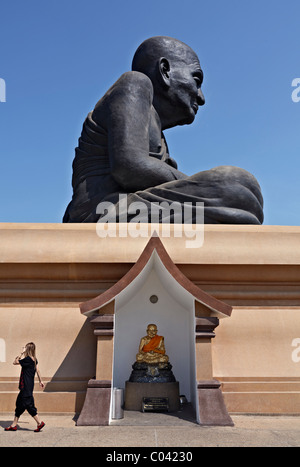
<point>17,359</point>
<point>39,376</point>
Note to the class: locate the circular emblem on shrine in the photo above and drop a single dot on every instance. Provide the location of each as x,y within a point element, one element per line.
<point>153,299</point>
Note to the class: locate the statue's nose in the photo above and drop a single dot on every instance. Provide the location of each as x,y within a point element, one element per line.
<point>200,98</point>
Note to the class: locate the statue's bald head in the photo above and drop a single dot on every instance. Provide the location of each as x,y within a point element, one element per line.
<point>176,76</point>
<point>151,50</point>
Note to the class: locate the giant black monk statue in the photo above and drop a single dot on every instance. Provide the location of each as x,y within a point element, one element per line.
<point>122,149</point>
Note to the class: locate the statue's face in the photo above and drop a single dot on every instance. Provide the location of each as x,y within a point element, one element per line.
<point>185,93</point>
<point>152,331</point>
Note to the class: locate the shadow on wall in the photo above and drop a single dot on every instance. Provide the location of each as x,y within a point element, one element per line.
<point>78,366</point>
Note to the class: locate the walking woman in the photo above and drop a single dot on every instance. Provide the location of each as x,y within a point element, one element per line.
<point>25,400</point>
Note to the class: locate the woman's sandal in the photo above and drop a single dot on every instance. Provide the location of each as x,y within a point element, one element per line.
<point>11,428</point>
<point>39,427</point>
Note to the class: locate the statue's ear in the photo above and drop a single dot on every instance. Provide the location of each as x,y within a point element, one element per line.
<point>163,71</point>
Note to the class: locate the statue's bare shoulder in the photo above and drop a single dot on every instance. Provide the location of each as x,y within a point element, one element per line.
<point>131,92</point>
<point>135,82</point>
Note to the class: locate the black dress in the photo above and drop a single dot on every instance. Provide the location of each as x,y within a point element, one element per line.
<point>25,400</point>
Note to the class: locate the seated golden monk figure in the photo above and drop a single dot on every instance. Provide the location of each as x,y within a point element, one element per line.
<point>152,347</point>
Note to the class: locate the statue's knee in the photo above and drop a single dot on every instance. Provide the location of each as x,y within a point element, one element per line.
<point>231,172</point>
<point>235,175</point>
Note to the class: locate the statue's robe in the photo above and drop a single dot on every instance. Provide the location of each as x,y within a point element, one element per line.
<point>153,345</point>
<point>230,195</point>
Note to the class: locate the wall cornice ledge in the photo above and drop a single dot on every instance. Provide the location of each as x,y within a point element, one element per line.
<point>79,243</point>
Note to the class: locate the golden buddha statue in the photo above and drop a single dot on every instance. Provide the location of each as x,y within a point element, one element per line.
<point>152,347</point>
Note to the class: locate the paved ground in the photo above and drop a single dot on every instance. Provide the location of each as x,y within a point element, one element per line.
<point>154,430</point>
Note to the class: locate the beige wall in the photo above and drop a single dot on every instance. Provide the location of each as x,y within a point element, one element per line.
<point>62,336</point>
<point>256,355</point>
<point>46,270</point>
<point>66,351</point>
<point>257,342</point>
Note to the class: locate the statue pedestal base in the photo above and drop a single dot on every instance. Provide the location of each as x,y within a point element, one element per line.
<point>152,373</point>
<point>134,393</point>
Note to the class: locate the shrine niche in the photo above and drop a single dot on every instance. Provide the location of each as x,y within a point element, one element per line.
<point>155,291</point>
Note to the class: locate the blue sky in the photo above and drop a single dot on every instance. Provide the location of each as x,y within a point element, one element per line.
<point>58,58</point>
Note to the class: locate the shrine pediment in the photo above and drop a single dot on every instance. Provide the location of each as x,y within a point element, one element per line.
<point>155,256</point>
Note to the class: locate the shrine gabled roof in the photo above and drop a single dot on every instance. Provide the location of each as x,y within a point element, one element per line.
<point>155,244</point>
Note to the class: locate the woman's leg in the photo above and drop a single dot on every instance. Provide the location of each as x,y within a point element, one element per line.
<point>15,422</point>
<point>37,419</point>
<point>20,408</point>
<point>33,412</point>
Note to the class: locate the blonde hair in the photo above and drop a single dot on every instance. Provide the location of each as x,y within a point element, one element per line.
<point>30,351</point>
